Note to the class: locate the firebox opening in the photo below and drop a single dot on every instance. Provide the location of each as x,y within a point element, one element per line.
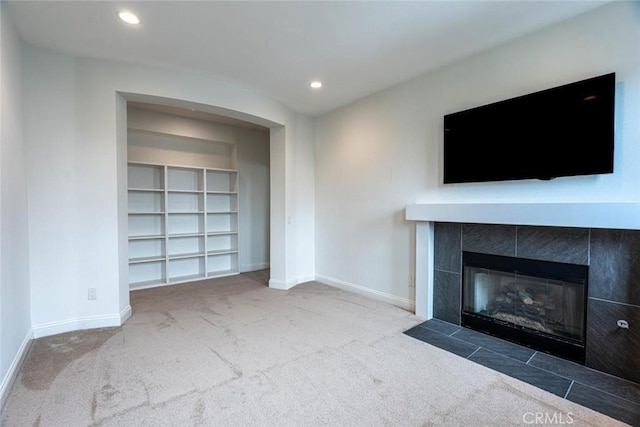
<point>539,304</point>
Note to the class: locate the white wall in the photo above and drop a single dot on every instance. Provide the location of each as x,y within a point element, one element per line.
<point>254,197</point>
<point>220,146</point>
<point>15,318</point>
<point>304,196</point>
<point>76,160</point>
<point>379,154</point>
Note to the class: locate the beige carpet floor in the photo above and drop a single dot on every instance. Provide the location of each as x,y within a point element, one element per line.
<point>232,352</point>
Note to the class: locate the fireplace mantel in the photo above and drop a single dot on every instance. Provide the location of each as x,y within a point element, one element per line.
<point>585,215</point>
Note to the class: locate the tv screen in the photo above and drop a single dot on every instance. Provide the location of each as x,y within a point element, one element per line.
<point>563,131</point>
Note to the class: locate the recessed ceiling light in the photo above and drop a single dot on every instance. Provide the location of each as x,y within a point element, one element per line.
<point>129,17</point>
<point>316,85</point>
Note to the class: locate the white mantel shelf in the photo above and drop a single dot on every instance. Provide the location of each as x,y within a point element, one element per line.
<point>587,215</point>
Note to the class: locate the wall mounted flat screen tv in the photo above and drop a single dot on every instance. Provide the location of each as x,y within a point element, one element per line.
<point>563,131</point>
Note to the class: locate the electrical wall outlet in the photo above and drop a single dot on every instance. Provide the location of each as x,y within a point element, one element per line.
<point>92,294</point>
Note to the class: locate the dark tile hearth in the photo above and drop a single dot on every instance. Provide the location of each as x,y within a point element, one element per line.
<point>607,394</point>
<point>461,348</point>
<point>612,257</point>
<point>522,371</point>
<point>494,344</point>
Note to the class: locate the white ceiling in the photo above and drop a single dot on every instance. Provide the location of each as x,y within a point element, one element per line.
<point>277,47</point>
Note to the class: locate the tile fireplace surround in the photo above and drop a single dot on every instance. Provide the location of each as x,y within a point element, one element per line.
<point>603,236</point>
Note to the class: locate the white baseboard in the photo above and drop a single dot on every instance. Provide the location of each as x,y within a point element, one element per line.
<point>281,284</point>
<point>372,293</point>
<point>125,315</point>
<point>14,368</point>
<point>88,322</point>
<point>305,279</point>
<point>285,286</point>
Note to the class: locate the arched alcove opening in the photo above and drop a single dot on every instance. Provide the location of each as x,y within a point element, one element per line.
<point>179,114</point>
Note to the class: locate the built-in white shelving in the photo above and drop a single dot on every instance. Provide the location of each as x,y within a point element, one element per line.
<point>183,223</point>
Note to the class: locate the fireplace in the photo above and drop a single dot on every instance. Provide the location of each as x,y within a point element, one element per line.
<point>539,304</point>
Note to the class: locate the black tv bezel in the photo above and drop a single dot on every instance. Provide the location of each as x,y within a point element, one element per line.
<point>607,166</point>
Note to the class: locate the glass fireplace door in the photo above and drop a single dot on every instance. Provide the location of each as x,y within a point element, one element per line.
<point>540,304</point>
<point>543,305</point>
